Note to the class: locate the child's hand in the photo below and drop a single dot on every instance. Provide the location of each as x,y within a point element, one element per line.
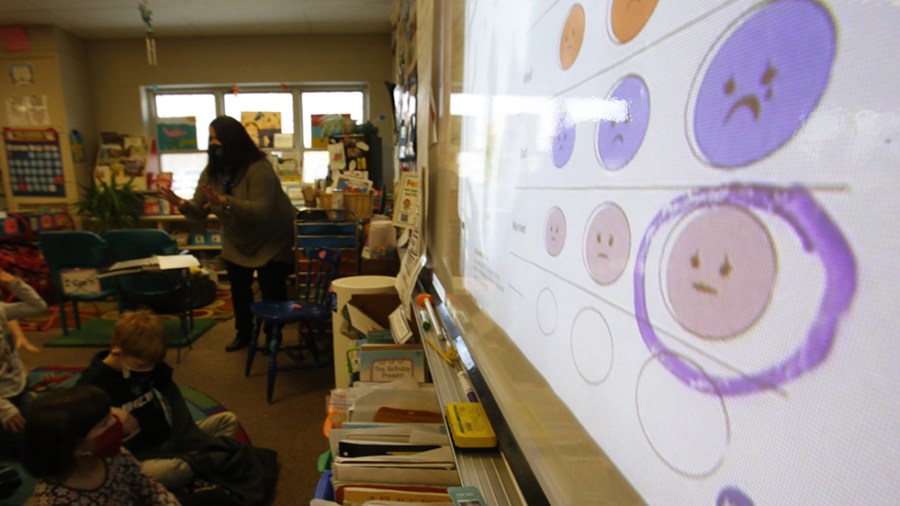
<point>129,423</point>
<point>15,424</point>
<point>26,345</point>
<point>22,342</point>
<point>6,278</point>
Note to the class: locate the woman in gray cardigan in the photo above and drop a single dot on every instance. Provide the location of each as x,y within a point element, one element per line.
<point>240,186</point>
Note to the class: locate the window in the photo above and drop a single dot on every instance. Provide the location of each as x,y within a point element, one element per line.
<point>297,106</point>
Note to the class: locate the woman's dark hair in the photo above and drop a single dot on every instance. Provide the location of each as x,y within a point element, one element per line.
<point>56,423</point>
<point>238,148</point>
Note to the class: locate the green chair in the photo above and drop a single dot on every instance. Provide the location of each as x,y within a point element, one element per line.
<point>162,291</point>
<point>75,249</point>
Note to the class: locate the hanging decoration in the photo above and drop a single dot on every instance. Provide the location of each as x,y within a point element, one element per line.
<point>150,40</point>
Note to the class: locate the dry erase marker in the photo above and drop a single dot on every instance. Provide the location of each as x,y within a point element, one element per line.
<point>467,386</point>
<point>426,324</point>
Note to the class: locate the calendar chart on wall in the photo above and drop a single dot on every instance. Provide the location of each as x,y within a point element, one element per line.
<point>685,216</point>
<point>35,162</point>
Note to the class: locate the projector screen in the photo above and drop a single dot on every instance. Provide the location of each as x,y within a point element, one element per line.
<point>685,216</point>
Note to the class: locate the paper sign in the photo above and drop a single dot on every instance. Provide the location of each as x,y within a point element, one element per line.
<point>79,281</point>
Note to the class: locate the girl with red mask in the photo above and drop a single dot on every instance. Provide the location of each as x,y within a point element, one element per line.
<point>73,444</point>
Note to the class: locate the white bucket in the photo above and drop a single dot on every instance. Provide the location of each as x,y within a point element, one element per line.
<point>344,289</point>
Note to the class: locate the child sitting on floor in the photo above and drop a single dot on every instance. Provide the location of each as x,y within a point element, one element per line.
<point>74,445</point>
<point>136,378</point>
<point>13,376</point>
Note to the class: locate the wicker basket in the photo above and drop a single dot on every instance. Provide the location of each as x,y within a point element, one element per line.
<point>360,204</point>
<point>324,200</point>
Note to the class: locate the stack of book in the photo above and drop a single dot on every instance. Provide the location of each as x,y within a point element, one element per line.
<point>394,448</point>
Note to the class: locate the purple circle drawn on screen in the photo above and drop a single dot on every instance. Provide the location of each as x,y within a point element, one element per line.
<point>563,142</point>
<point>732,496</point>
<point>618,141</point>
<point>555,231</point>
<point>819,236</point>
<point>764,78</point>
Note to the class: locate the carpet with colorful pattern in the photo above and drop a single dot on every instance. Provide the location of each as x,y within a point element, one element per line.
<point>219,309</point>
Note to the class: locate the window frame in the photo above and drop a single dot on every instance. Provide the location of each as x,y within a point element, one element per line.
<point>219,91</point>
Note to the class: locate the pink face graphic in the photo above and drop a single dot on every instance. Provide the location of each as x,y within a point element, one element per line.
<point>607,244</point>
<point>721,272</point>
<point>555,231</point>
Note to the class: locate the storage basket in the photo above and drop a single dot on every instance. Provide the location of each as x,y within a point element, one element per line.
<point>360,204</point>
<point>324,200</point>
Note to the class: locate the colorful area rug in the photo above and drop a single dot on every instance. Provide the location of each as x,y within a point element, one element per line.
<point>99,332</point>
<point>219,309</point>
<point>43,379</point>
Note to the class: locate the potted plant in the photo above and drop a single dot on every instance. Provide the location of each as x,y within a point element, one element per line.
<point>107,205</point>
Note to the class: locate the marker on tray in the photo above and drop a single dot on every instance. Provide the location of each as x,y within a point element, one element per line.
<point>426,323</point>
<point>467,386</point>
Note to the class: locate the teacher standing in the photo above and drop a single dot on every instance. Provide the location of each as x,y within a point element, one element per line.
<point>240,186</point>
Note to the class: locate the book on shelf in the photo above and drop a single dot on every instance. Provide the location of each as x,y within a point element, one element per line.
<point>352,472</point>
<point>357,494</point>
<point>390,361</point>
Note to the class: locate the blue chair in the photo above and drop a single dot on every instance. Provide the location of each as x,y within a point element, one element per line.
<point>311,311</point>
<point>162,291</point>
<point>75,249</point>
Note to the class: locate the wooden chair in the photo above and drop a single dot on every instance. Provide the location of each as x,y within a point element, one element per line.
<point>311,311</point>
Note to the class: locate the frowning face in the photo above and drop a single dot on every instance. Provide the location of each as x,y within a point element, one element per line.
<point>563,142</point>
<point>571,37</point>
<point>628,17</point>
<point>618,141</point>
<point>763,82</point>
<point>721,272</point>
<point>607,244</point>
<point>555,231</point>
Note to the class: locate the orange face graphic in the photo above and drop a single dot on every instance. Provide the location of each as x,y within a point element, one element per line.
<point>628,17</point>
<point>572,36</point>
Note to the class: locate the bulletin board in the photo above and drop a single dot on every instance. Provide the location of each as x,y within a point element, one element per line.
<point>35,162</point>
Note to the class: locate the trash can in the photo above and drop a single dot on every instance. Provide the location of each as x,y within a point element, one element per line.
<point>344,289</point>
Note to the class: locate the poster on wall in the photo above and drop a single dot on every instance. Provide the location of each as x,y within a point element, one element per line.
<point>319,131</point>
<point>406,204</point>
<point>35,162</point>
<point>27,110</point>
<point>21,74</point>
<point>262,127</point>
<point>177,134</point>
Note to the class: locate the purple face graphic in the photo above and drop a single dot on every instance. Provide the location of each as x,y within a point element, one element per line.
<point>721,272</point>
<point>607,244</point>
<point>618,141</point>
<point>563,140</point>
<point>555,231</point>
<point>732,496</point>
<point>763,82</point>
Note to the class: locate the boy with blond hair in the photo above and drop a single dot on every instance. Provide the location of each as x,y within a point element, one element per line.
<point>135,375</point>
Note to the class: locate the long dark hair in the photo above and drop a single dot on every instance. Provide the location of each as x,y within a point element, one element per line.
<point>56,423</point>
<point>238,148</point>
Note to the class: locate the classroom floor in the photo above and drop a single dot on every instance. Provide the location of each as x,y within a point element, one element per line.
<point>291,425</point>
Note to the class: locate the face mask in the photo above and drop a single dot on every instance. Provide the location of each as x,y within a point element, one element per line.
<point>109,442</point>
<point>128,372</point>
<point>216,152</point>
